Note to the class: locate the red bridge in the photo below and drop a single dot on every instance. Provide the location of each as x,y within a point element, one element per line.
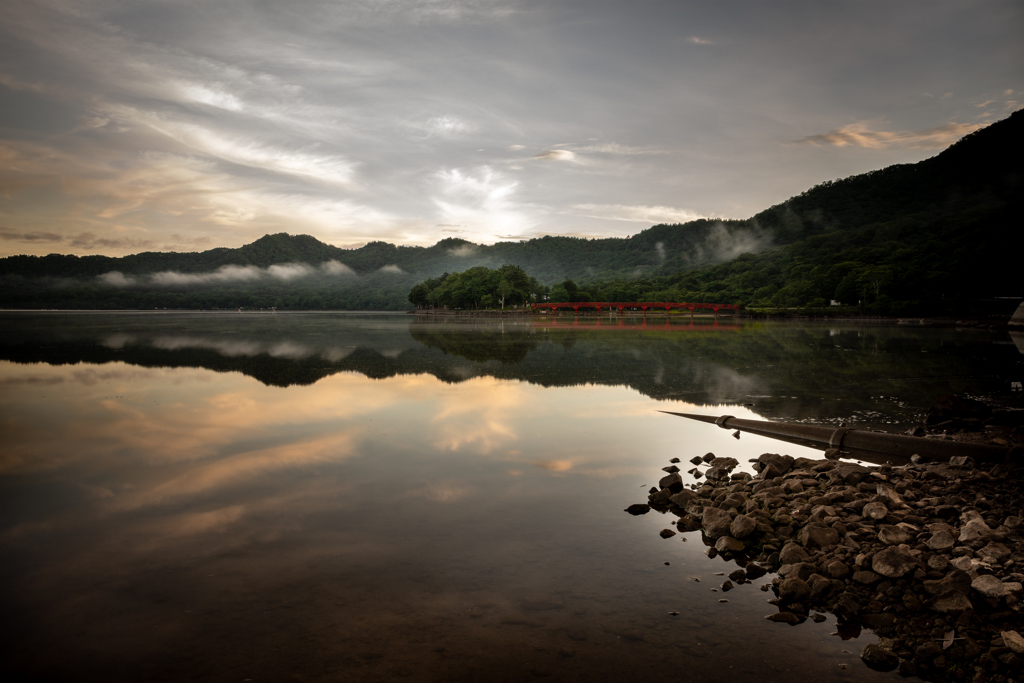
<point>644,305</point>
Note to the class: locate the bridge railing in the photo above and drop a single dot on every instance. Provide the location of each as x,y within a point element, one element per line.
<point>643,305</point>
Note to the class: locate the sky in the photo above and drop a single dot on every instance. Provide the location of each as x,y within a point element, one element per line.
<point>156,125</point>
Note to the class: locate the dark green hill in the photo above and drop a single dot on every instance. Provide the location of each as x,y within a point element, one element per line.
<point>901,237</point>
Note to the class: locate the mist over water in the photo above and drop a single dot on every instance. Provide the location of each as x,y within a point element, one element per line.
<point>381,497</point>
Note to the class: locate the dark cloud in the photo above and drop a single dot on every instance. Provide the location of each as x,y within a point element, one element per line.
<point>127,126</point>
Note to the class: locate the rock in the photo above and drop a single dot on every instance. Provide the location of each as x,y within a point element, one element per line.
<point>728,544</point>
<point>892,499</point>
<point>708,457</point>
<point>780,463</point>
<point>1014,641</point>
<point>671,469</point>
<point>717,474</point>
<point>755,571</point>
<point>880,659</point>
<point>852,474</point>
<point>670,481</point>
<point>638,509</point>
<point>674,460</point>
<point>876,510</point>
<point>893,535</point>
<point>801,570</point>
<point>974,527</point>
<point>838,570</point>
<point>725,463</point>
<point>952,601</point>
<point>716,522</point>
<point>964,461</point>
<point>894,562</point>
<point>683,498</point>
<point>865,577</point>
<point>786,618</point>
<point>688,523</point>
<point>742,526</point>
<point>991,587</point>
<point>666,533</point>
<point>938,563</point>
<point>738,575</point>
<point>794,589</point>
<point>727,586</point>
<point>792,553</point>
<point>793,486</point>
<point>993,553</point>
<point>817,536</point>
<point>957,580</point>
<point>942,540</point>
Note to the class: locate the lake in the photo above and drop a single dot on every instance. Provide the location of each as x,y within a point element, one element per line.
<point>227,496</point>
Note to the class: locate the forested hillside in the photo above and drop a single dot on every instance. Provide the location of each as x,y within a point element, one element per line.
<point>904,238</point>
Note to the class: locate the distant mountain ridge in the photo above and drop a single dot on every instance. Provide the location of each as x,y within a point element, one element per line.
<point>953,215</point>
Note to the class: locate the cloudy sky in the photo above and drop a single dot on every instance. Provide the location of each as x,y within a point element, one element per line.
<point>130,125</point>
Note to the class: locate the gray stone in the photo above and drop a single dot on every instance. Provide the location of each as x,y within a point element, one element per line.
<point>893,535</point>
<point>974,527</point>
<point>728,544</point>
<point>894,562</point>
<point>817,536</point>
<point>837,569</point>
<point>794,589</point>
<point>786,618</point>
<point>780,463</point>
<point>670,480</point>
<point>725,463</point>
<point>865,577</point>
<point>742,526</point>
<point>938,563</point>
<point>666,533</point>
<point>956,580</point>
<point>992,587</point>
<point>852,474</point>
<point>892,499</point>
<point>717,474</point>
<point>792,486</point>
<point>942,540</point>
<point>683,498</point>
<point>792,553</point>
<point>1014,641</point>
<point>716,522</point>
<point>952,601</point>
<point>874,510</point>
<point>880,659</point>
<point>993,553</point>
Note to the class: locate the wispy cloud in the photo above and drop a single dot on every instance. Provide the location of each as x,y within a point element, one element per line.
<point>555,155</point>
<point>859,135</point>
<point>230,273</point>
<point>697,40</point>
<point>636,214</point>
<point>484,202</point>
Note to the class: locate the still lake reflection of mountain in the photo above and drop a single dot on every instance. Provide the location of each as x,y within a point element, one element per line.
<point>871,373</point>
<point>323,497</point>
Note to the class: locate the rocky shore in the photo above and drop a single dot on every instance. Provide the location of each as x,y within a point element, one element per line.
<point>929,556</point>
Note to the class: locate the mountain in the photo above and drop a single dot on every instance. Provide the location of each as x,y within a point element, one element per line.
<point>904,236</point>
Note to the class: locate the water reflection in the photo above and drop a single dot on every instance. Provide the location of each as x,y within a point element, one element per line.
<point>873,374</point>
<point>373,498</point>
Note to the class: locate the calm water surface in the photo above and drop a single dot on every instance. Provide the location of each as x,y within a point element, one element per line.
<point>325,497</point>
